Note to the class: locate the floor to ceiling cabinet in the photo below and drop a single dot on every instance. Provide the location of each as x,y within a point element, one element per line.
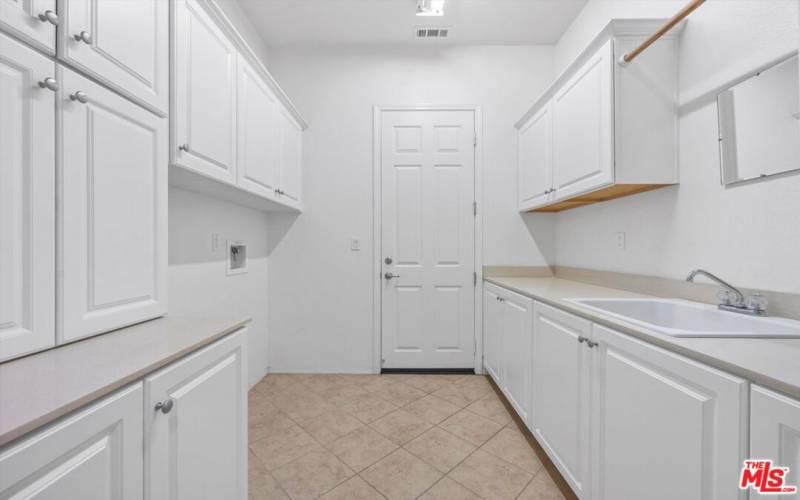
<point>33,21</point>
<point>27,199</point>
<point>113,206</point>
<point>123,44</point>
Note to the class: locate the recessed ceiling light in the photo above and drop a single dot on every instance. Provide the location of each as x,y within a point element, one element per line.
<point>430,7</point>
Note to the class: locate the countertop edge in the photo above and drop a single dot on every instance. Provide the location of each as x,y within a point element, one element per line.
<point>33,425</point>
<point>656,339</point>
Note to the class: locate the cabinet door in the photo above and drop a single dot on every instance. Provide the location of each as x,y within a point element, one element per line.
<point>561,377</point>
<point>682,418</point>
<point>517,317</point>
<point>124,44</point>
<point>583,153</point>
<point>291,158</point>
<point>27,201</point>
<point>21,18</point>
<point>492,332</point>
<point>258,152</point>
<point>536,160</point>
<point>775,433</point>
<point>198,448</point>
<point>94,454</point>
<point>204,113</point>
<point>114,210</point>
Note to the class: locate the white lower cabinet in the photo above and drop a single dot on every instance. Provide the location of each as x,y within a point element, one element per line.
<point>492,331</point>
<point>95,454</point>
<point>113,205</point>
<point>775,434</point>
<point>664,426</point>
<point>561,397</point>
<point>196,425</point>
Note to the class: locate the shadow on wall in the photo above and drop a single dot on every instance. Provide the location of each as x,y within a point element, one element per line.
<point>279,225</point>
<point>542,230</point>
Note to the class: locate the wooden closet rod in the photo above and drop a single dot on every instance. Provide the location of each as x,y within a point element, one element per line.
<point>680,16</point>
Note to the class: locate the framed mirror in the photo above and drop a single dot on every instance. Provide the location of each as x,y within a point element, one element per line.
<point>759,123</point>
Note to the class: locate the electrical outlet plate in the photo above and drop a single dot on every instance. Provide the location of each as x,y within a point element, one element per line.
<point>237,258</point>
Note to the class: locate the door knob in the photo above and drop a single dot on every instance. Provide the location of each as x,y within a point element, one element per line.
<point>165,406</point>
<point>49,83</point>
<point>83,36</point>
<point>79,96</point>
<point>389,275</point>
<point>49,16</point>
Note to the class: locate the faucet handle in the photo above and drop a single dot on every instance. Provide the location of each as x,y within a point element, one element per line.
<point>726,297</point>
<point>757,303</point>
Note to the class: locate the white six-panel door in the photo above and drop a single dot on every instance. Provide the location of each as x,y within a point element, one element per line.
<point>21,17</point>
<point>583,156</point>
<point>113,210</point>
<point>123,43</point>
<point>204,117</point>
<point>428,227</point>
<point>27,200</point>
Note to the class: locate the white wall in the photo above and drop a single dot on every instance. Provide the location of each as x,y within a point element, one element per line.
<point>320,291</point>
<point>749,234</point>
<point>198,284</point>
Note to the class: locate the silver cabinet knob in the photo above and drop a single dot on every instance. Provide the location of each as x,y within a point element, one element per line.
<point>83,36</point>
<point>49,16</point>
<point>590,343</point>
<point>49,83</point>
<point>389,275</point>
<point>183,147</point>
<point>165,406</point>
<point>79,96</point>
<point>582,339</point>
<point>279,191</point>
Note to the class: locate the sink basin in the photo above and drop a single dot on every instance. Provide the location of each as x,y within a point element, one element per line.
<point>680,318</point>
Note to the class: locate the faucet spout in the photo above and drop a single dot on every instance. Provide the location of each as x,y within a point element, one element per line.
<point>724,284</point>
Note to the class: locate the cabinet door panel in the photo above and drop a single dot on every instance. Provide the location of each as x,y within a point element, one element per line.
<point>583,128</point>
<point>27,201</point>
<point>95,454</point>
<point>291,158</point>
<point>259,133</point>
<point>199,448</point>
<point>114,211</point>
<point>536,160</point>
<point>684,419</point>
<point>21,18</point>
<point>517,313</point>
<point>560,373</point>
<point>205,95</point>
<point>128,48</point>
<point>492,332</point>
<point>775,433</point>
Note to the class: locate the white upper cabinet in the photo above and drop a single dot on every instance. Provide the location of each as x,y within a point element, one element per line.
<point>683,419</point>
<point>124,44</point>
<point>113,207</point>
<point>27,200</point>
<point>603,130</point>
<point>775,433</point>
<point>535,162</point>
<point>34,21</point>
<point>96,453</point>
<point>204,107</point>
<point>196,425</point>
<point>290,159</point>
<point>259,133</point>
<point>561,388</point>
<point>582,124</point>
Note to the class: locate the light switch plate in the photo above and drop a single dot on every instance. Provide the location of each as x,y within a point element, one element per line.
<point>355,244</point>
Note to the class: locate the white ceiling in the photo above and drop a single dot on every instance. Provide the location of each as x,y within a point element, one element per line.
<point>352,22</point>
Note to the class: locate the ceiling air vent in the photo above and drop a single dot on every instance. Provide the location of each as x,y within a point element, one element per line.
<point>428,32</point>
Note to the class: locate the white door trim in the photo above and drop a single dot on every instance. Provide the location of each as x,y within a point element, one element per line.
<point>377,219</point>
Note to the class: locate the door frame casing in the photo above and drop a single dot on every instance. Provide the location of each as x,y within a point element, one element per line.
<point>377,222</point>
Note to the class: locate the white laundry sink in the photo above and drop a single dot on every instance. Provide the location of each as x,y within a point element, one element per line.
<point>680,318</point>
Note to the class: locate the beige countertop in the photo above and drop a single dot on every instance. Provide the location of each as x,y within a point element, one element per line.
<point>40,388</point>
<point>772,363</point>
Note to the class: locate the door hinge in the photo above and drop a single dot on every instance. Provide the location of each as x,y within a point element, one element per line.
<point>475,208</point>
<point>475,139</point>
<point>474,278</point>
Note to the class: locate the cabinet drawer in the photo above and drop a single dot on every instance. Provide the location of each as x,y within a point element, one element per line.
<point>95,454</point>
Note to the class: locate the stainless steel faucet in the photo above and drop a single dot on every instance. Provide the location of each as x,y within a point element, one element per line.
<point>731,298</point>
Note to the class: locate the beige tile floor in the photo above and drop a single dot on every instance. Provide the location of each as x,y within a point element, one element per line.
<point>353,437</point>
